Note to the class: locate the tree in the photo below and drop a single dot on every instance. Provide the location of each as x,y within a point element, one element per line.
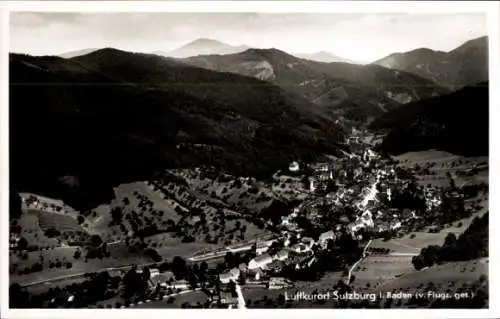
<point>418,262</point>
<point>450,240</point>
<point>96,240</point>
<point>179,267</point>
<point>241,280</point>
<point>146,273</point>
<point>80,219</point>
<point>15,205</point>
<point>229,259</point>
<point>133,284</point>
<point>117,215</point>
<point>18,297</point>
<point>22,244</point>
<point>231,286</point>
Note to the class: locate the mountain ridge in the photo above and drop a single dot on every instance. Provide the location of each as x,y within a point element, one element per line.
<point>355,91</point>
<point>202,46</point>
<point>104,121</point>
<point>465,65</point>
<point>456,123</point>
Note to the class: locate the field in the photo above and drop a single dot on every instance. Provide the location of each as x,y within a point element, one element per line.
<point>119,257</point>
<point>32,232</point>
<point>159,203</point>
<point>192,298</point>
<point>455,273</point>
<point>374,271</point>
<point>62,223</point>
<point>100,216</point>
<point>442,162</point>
<point>415,241</point>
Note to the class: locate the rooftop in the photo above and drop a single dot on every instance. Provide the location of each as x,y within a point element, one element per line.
<point>263,257</point>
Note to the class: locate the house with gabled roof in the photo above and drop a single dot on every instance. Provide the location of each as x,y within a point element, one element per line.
<point>260,261</point>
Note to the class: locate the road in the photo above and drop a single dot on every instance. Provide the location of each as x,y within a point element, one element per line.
<point>241,300</point>
<point>348,279</point>
<point>403,254</point>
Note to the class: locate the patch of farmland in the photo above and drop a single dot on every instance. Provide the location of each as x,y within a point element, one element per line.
<point>435,156</point>
<point>192,298</point>
<point>168,247</point>
<point>418,240</point>
<point>32,232</point>
<point>440,163</point>
<point>373,271</point>
<point>228,190</point>
<point>39,289</point>
<point>62,223</point>
<point>453,274</point>
<point>161,210</point>
<point>79,266</point>
<point>127,190</point>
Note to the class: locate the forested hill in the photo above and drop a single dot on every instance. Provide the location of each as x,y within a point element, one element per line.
<point>113,116</point>
<point>457,123</point>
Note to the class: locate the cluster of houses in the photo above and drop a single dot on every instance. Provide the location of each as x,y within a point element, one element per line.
<point>363,192</point>
<point>266,264</point>
<point>432,199</point>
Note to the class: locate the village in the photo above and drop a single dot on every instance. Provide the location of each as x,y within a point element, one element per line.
<point>360,196</point>
<point>348,195</point>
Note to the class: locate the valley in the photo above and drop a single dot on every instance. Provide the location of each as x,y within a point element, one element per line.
<point>228,176</point>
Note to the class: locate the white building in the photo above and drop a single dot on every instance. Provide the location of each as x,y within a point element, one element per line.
<point>163,279</point>
<point>323,238</point>
<point>312,187</point>
<point>294,167</point>
<point>308,241</point>
<point>278,283</point>
<point>300,248</point>
<point>282,254</point>
<point>262,246</point>
<point>396,225</point>
<point>154,272</point>
<point>233,275</point>
<point>260,261</point>
<point>179,284</point>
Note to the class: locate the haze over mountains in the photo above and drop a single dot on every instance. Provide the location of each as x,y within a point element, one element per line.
<point>323,56</point>
<point>203,46</point>
<point>465,65</point>
<point>72,54</point>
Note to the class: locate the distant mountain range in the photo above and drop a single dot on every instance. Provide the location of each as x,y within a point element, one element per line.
<point>72,54</point>
<point>354,92</point>
<point>457,123</point>
<point>201,47</point>
<point>112,116</point>
<point>465,65</point>
<point>323,56</point>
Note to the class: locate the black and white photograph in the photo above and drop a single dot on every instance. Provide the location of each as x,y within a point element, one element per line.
<point>247,160</point>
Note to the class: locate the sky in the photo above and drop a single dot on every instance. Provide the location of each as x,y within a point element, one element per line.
<point>359,37</point>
